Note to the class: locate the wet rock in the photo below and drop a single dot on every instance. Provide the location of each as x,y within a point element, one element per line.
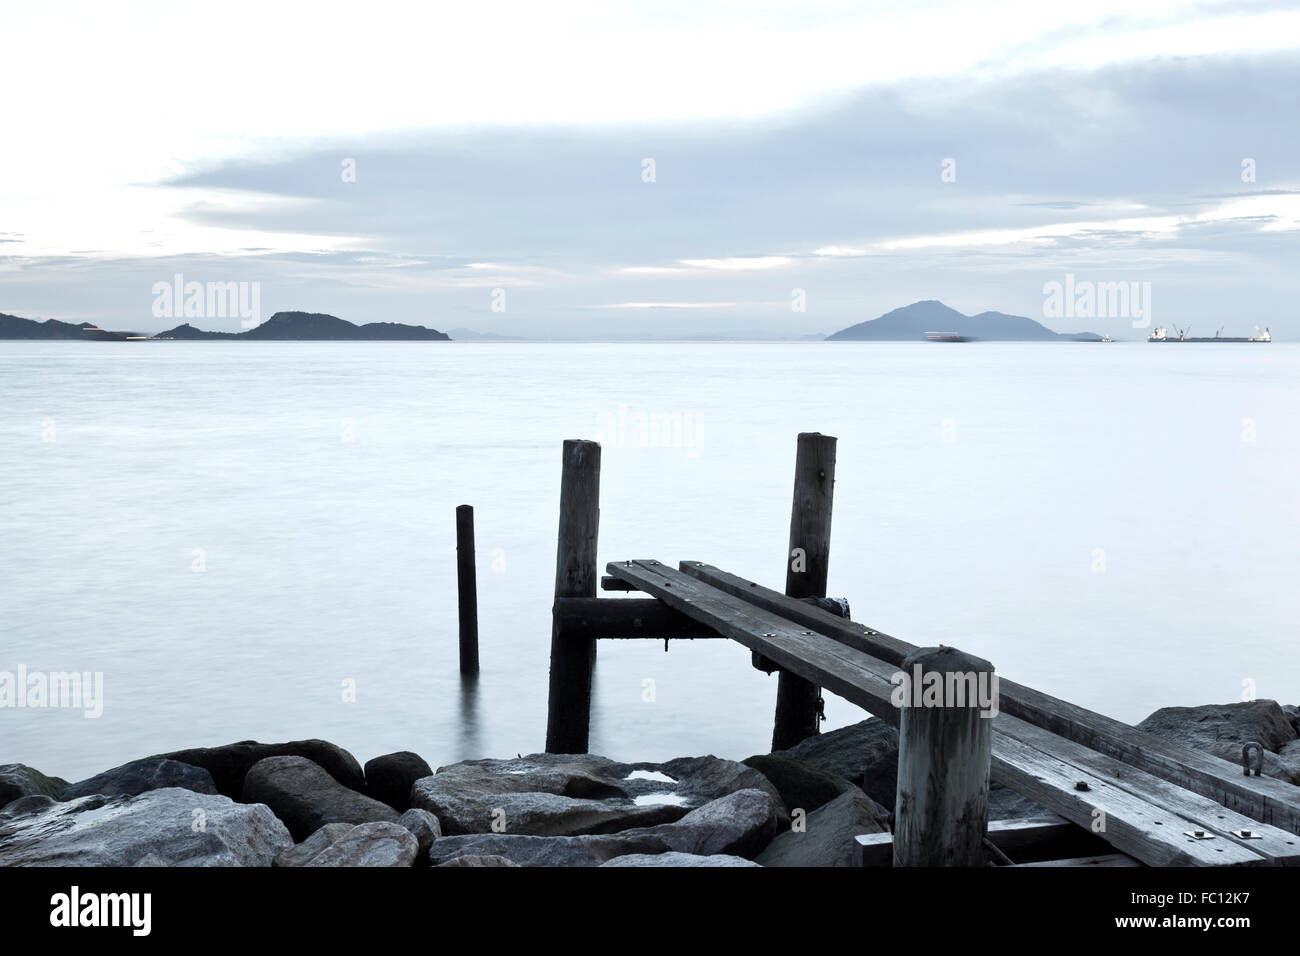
<point>371,844</point>
<point>306,798</point>
<point>29,804</point>
<point>800,785</point>
<point>229,764</point>
<point>469,860</point>
<point>828,832</point>
<point>1203,727</point>
<point>304,852</point>
<point>739,824</point>
<point>678,859</point>
<point>1007,804</point>
<point>139,776</point>
<point>1293,715</point>
<point>389,778</point>
<point>424,826</point>
<point>19,780</point>
<point>525,850</point>
<point>571,795</point>
<point>176,827</point>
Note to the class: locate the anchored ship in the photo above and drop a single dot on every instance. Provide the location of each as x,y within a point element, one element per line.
<point>1162,335</point>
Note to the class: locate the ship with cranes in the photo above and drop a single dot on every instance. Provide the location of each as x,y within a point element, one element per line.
<point>1180,335</point>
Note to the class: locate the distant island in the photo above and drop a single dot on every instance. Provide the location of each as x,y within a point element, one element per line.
<point>281,327</point>
<point>911,322</point>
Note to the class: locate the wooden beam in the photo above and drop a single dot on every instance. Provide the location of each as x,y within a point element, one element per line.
<point>610,583</point>
<point>574,660</point>
<point>466,589</point>
<point>583,618</point>
<point>807,561</point>
<point>1264,799</point>
<point>942,804</point>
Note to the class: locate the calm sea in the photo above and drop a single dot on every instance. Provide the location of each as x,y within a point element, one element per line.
<point>257,540</point>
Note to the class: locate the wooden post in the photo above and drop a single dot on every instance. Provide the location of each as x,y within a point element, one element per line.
<point>573,657</point>
<point>941,806</point>
<point>466,589</point>
<point>807,562</point>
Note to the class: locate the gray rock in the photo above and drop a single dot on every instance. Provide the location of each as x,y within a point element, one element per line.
<point>827,836</point>
<point>371,844</point>
<point>847,751</point>
<point>1007,804</point>
<point>229,764</point>
<point>152,773</point>
<point>19,780</point>
<point>570,795</point>
<point>1203,727</point>
<point>485,860</point>
<point>800,785</point>
<point>151,860</point>
<point>304,852</point>
<point>424,826</point>
<point>177,827</point>
<point>389,778</point>
<point>1293,715</point>
<point>739,824</point>
<point>306,798</point>
<point>524,850</point>
<point>29,804</point>
<point>678,859</point>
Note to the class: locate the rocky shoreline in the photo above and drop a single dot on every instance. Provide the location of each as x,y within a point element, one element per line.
<point>310,803</point>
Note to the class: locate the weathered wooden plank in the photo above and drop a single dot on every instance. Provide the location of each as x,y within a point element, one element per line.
<point>855,676</point>
<point>583,618</point>
<point>1024,841</point>
<point>1264,799</point>
<point>1150,833</point>
<point>1280,846</point>
<point>1104,859</point>
<point>610,583</point>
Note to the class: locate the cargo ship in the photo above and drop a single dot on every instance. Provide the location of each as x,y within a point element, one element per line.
<point>1162,335</point>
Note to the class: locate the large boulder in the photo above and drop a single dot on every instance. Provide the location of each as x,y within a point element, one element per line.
<point>167,827</point>
<point>301,854</point>
<point>739,824</point>
<point>306,798</point>
<point>138,776</point>
<point>1293,715</point>
<point>371,844</point>
<point>389,778</point>
<point>827,835</point>
<point>865,754</point>
<point>801,785</point>
<point>19,780</point>
<point>24,805</point>
<point>424,826</point>
<point>1210,724</point>
<point>678,859</point>
<point>229,764</point>
<point>576,794</point>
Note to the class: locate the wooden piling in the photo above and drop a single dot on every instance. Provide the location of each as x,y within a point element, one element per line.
<point>466,589</point>
<point>807,563</point>
<point>941,805</point>
<point>573,656</point>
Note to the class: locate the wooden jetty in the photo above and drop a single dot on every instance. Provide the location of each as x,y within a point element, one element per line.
<point>1125,797</point>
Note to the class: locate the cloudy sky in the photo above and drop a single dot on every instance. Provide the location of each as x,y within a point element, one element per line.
<point>663,168</point>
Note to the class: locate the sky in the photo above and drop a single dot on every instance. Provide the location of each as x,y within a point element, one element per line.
<point>593,170</point>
